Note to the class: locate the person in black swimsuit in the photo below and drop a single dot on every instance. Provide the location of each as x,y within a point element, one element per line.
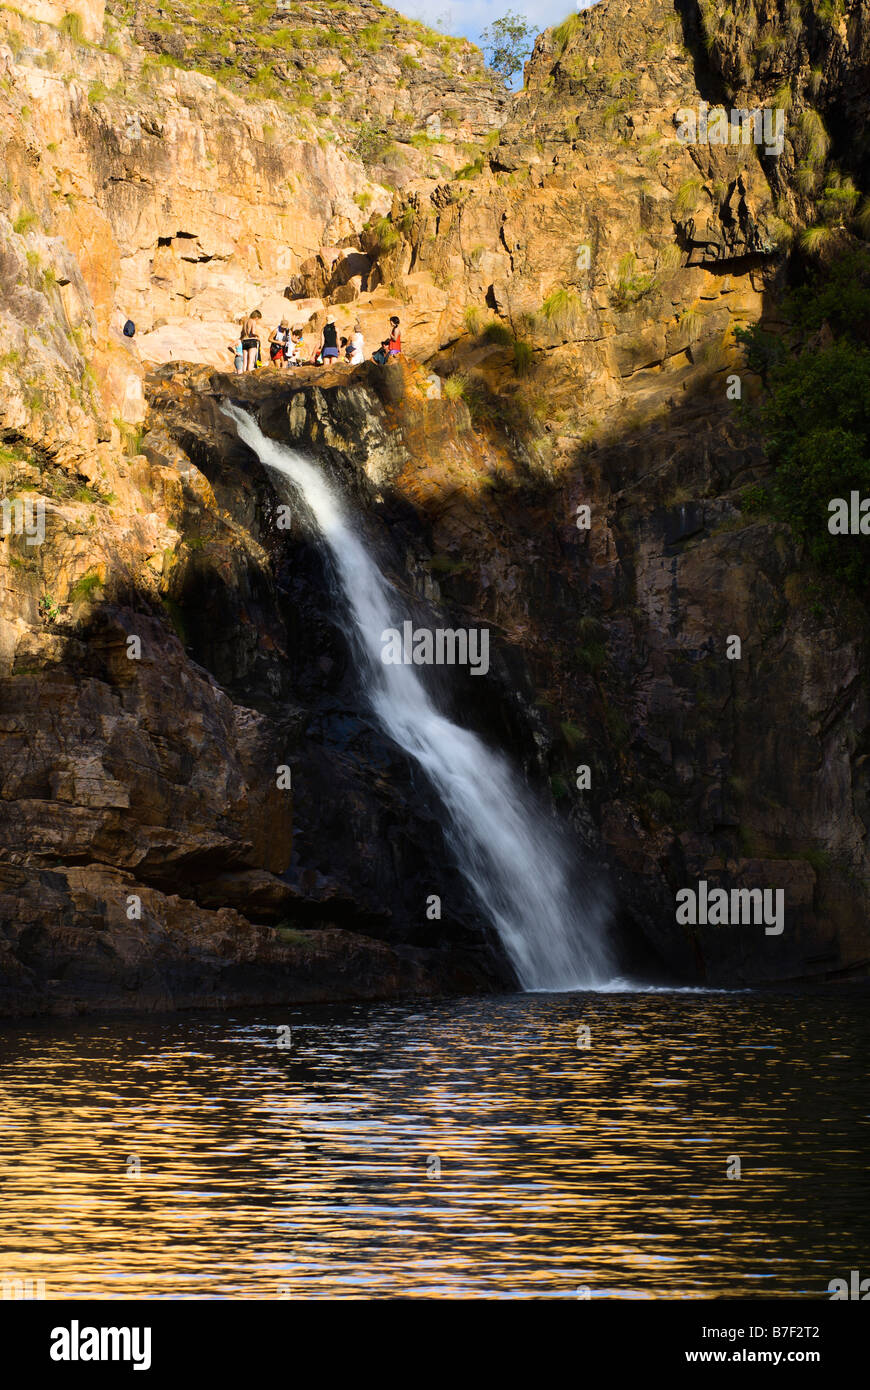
<point>328,342</point>
<point>250,344</point>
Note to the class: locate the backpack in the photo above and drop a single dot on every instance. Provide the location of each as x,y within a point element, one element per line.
<point>129,328</point>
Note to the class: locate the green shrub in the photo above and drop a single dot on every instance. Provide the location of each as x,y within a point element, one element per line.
<point>373,36</point>
<point>383,234</point>
<point>816,240</point>
<point>572,734</point>
<point>754,498</point>
<point>84,587</point>
<point>588,626</point>
<point>370,143</point>
<point>482,405</point>
<point>692,322</point>
<point>564,32</point>
<point>815,411</point>
<point>630,287</point>
<point>687,197</point>
<point>806,179</point>
<point>614,109</point>
<point>761,347</point>
<point>421,141</point>
<point>455,386</point>
<point>523,355</point>
<point>292,936</point>
<point>499,333</point>
<point>445,564</point>
<point>23,222</point>
<point>782,232</point>
<point>829,10</point>
<point>813,139</point>
<point>592,656</point>
<point>563,310</point>
<point>659,803</point>
<point>72,26</point>
<point>131,437</point>
<point>783,98</point>
<point>558,786</point>
<point>838,198</point>
<point>669,259</point>
<point>469,171</point>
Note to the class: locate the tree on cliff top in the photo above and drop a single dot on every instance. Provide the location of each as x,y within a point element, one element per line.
<point>507,43</point>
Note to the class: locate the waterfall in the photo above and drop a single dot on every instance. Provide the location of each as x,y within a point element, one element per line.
<point>511,854</point>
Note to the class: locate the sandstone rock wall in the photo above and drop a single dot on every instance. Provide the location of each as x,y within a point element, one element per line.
<point>145,192</point>
<point>91,13</point>
<point>409,101</point>
<point>188,815</point>
<point>609,648</point>
<point>574,295</point>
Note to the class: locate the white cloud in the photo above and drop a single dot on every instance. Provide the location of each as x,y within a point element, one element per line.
<point>471,17</point>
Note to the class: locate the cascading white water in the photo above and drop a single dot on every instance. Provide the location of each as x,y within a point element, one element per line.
<point>511,856</point>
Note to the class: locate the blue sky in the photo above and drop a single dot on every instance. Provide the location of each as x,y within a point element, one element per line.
<point>470,17</point>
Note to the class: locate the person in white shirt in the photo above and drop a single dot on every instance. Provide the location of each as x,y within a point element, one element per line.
<point>357,352</point>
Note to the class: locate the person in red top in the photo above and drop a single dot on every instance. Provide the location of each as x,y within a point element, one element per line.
<point>390,347</point>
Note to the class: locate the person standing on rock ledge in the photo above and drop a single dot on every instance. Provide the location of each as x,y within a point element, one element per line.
<point>296,349</point>
<point>279,340</point>
<point>238,355</point>
<point>357,351</point>
<point>390,347</point>
<point>328,349</point>
<point>250,343</point>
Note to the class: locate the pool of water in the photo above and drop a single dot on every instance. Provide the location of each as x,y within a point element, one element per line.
<point>456,1148</point>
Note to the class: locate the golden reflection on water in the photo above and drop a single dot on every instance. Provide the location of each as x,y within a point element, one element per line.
<point>312,1172</point>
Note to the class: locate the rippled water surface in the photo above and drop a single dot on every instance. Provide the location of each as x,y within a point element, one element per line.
<point>313,1170</point>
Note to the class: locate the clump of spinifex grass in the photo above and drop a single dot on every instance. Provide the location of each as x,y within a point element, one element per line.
<point>563,310</point>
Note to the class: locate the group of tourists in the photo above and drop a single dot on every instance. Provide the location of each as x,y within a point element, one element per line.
<point>287,348</point>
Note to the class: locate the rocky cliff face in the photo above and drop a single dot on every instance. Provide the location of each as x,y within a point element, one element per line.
<point>574,293</point>
<point>409,101</point>
<point>140,187</point>
<point>599,266</point>
<point>188,776</point>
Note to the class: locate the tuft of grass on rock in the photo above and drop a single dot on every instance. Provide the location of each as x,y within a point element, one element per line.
<point>84,587</point>
<point>563,310</point>
<point>455,386</point>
